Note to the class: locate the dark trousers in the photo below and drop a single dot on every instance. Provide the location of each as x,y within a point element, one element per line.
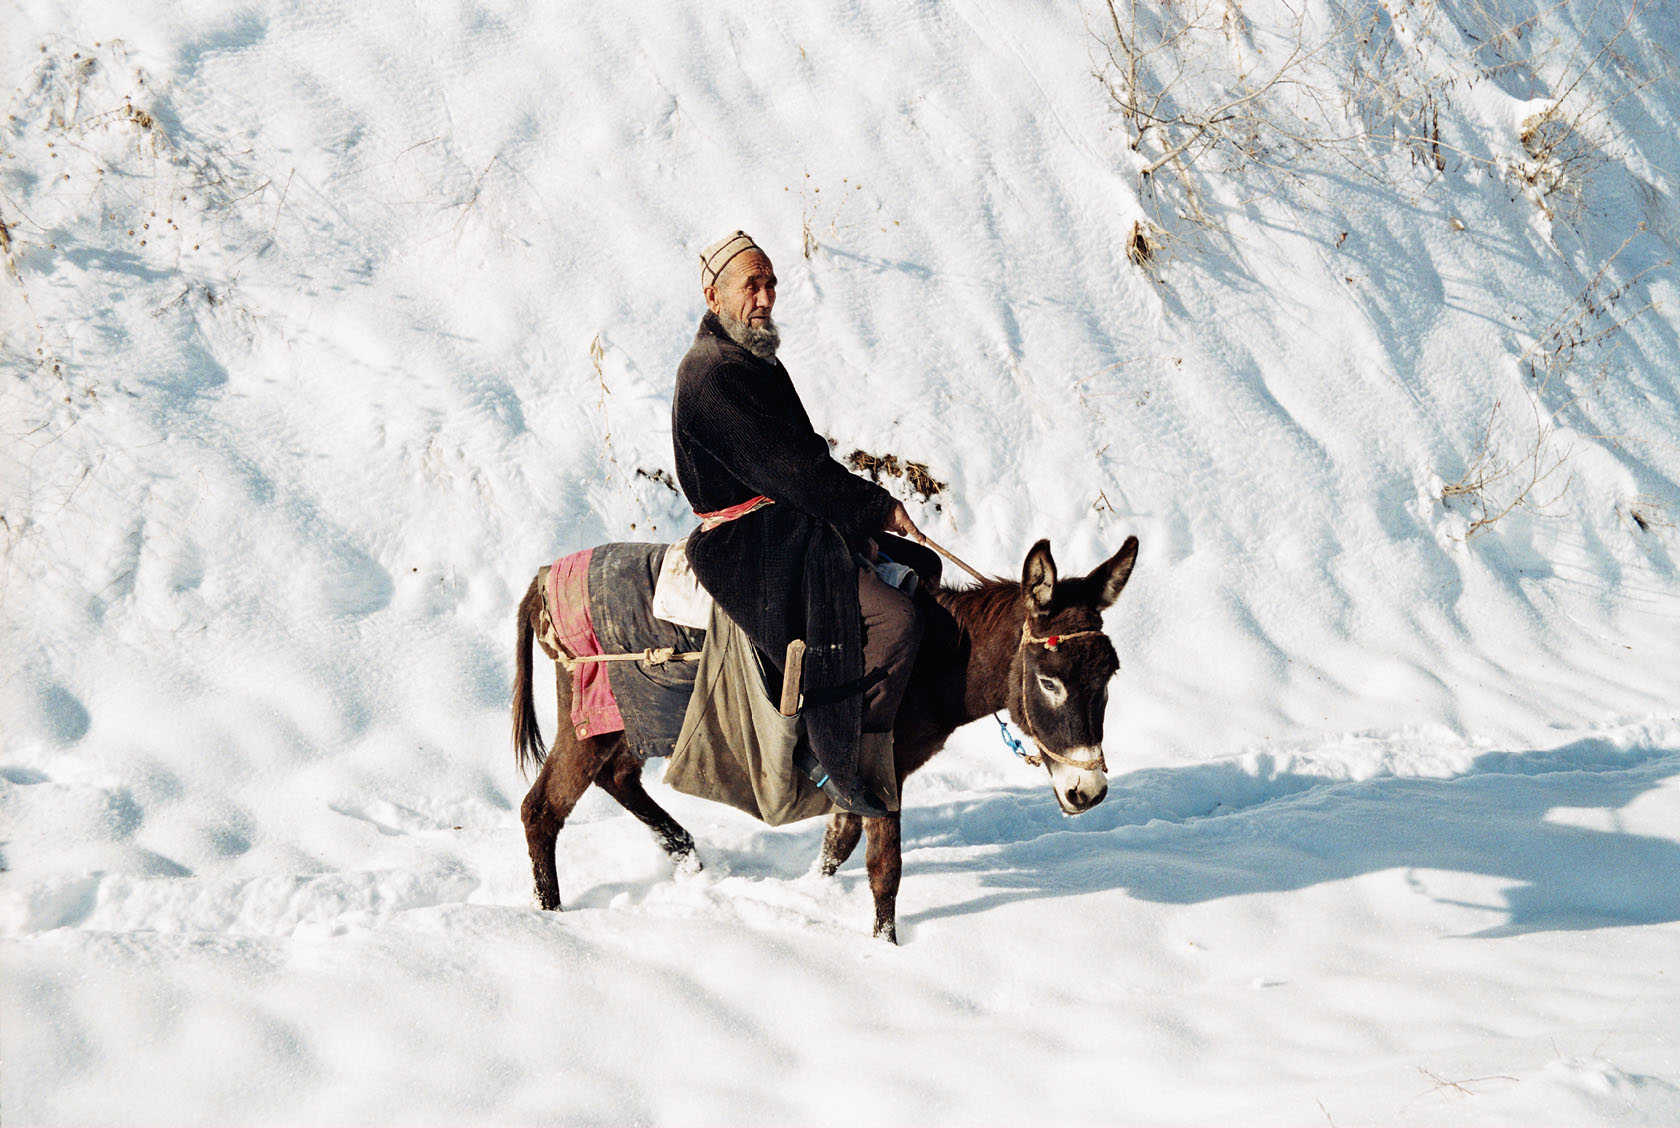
<point>891,633</point>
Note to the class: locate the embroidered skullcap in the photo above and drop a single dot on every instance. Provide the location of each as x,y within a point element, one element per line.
<point>721,253</point>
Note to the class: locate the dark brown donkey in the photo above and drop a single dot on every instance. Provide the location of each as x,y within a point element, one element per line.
<point>1036,648</point>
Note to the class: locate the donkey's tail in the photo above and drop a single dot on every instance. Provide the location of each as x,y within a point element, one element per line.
<point>528,750</point>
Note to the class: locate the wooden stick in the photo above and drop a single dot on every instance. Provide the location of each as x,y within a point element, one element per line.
<point>793,677</point>
<point>922,537</point>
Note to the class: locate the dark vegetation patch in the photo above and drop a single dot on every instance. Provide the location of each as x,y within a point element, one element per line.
<point>916,475</point>
<point>659,476</point>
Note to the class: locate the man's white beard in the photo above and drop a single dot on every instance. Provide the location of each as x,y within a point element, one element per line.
<point>760,340</point>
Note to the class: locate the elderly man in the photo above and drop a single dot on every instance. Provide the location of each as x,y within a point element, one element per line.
<point>784,527</point>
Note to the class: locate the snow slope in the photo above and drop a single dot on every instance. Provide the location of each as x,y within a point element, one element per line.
<point>324,325</point>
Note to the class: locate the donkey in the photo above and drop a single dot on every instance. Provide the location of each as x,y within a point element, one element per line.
<point>1036,648</point>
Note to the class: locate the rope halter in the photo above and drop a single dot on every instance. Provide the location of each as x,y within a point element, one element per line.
<point>1049,642</point>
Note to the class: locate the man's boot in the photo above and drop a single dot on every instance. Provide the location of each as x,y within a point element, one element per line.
<point>855,796</point>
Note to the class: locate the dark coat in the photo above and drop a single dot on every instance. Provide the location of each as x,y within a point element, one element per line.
<point>785,571</point>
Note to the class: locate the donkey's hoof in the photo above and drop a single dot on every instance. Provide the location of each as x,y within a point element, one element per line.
<point>887,930</point>
<point>687,865</point>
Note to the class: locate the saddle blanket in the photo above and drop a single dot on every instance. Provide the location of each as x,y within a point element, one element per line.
<point>600,602</point>
<point>726,740</point>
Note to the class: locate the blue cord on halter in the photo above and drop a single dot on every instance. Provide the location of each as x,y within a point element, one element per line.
<point>1009,740</point>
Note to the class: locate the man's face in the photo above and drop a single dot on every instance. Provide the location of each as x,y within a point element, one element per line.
<point>745,291</point>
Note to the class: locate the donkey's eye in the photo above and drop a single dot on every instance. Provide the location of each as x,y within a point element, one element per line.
<point>1052,689</point>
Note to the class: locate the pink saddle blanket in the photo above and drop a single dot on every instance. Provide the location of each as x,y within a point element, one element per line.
<point>594,708</point>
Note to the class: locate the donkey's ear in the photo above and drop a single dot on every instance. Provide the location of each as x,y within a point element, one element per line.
<point>1111,577</point>
<point>1038,578</point>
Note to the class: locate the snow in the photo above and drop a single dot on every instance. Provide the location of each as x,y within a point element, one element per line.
<point>331,323</point>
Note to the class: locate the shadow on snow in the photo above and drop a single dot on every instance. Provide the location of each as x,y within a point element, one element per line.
<point>1200,833</point>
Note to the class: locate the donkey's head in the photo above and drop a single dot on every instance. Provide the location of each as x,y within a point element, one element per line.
<point>1060,675</point>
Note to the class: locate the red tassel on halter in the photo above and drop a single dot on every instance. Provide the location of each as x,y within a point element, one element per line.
<point>1052,642</point>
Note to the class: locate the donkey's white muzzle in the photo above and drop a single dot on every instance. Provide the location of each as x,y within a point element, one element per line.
<point>1078,789</point>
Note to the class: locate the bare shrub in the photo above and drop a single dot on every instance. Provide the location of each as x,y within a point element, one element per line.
<point>1202,92</point>
<point>1648,513</point>
<point>1564,142</point>
<point>820,217</point>
<point>1504,475</point>
<point>1410,57</point>
<point>1591,321</point>
<point>1141,245</point>
<point>1193,84</point>
<point>1566,361</point>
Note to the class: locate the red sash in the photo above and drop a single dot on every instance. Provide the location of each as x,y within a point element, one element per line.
<point>733,513</point>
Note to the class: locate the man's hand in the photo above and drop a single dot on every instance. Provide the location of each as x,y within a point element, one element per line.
<point>898,521</point>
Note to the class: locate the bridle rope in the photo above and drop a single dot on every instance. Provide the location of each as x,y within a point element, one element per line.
<point>1049,642</point>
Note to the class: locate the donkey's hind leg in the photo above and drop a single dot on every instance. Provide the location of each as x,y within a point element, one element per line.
<point>841,838</point>
<point>565,776</point>
<point>621,777</point>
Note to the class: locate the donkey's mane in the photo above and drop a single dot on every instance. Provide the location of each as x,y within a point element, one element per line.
<point>992,607</point>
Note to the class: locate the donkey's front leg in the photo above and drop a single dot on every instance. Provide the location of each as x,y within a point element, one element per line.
<point>884,862</point>
<point>841,838</point>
